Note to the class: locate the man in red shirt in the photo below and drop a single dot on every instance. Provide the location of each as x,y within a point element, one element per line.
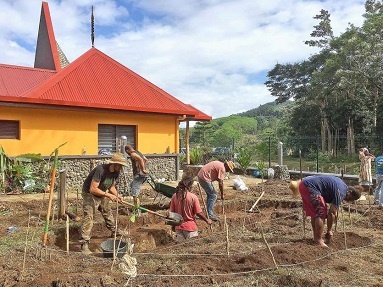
<point>187,205</point>
<point>213,171</point>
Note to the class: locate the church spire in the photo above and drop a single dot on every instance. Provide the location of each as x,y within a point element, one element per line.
<point>46,56</point>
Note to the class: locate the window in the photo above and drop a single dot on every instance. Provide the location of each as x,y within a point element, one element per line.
<point>9,129</point>
<point>109,137</point>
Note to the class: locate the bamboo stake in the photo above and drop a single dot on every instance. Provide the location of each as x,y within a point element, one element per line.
<point>304,223</point>
<point>227,236</point>
<point>204,204</point>
<point>26,241</point>
<point>344,230</point>
<point>267,245</point>
<point>115,238</point>
<point>224,215</point>
<point>336,220</point>
<point>67,234</point>
<point>349,214</point>
<point>53,215</point>
<point>76,201</point>
<point>50,197</point>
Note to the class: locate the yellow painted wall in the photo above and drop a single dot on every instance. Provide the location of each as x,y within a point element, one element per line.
<point>43,130</point>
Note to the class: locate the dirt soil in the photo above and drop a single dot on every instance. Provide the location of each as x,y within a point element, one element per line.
<point>271,246</point>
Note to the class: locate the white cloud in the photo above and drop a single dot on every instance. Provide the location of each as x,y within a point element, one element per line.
<point>206,53</point>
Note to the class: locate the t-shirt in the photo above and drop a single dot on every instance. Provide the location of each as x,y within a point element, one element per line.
<point>135,164</point>
<point>187,208</point>
<point>212,171</point>
<point>103,175</point>
<point>379,165</point>
<point>331,188</point>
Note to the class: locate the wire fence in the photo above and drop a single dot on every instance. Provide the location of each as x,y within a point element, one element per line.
<point>308,153</point>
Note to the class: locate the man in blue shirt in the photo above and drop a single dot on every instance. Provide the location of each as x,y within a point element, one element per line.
<point>316,193</point>
<point>378,197</point>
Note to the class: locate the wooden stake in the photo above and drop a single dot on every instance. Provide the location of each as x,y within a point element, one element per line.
<point>344,230</point>
<point>267,245</point>
<point>26,241</point>
<point>115,238</point>
<point>227,236</point>
<point>50,197</point>
<point>304,223</point>
<point>67,234</point>
<point>204,204</point>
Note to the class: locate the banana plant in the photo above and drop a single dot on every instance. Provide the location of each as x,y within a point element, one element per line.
<point>16,169</point>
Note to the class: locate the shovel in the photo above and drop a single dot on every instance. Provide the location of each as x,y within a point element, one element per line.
<point>174,219</point>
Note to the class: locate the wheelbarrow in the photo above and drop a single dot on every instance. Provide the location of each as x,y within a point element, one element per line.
<point>173,218</point>
<point>162,190</point>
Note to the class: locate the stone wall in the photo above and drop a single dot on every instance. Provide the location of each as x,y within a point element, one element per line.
<point>77,169</point>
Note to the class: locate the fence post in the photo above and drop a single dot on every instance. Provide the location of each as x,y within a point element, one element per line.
<point>317,154</point>
<point>280,153</point>
<point>269,152</point>
<point>61,198</point>
<point>300,163</point>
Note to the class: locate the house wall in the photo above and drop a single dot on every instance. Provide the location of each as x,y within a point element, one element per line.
<point>43,130</point>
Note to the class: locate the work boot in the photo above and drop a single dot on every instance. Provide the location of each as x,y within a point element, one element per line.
<point>85,248</point>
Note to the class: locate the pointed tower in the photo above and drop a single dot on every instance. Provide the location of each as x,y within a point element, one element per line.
<point>47,56</point>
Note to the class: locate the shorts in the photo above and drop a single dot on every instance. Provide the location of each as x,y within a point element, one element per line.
<point>182,235</point>
<point>313,204</point>
<point>135,185</point>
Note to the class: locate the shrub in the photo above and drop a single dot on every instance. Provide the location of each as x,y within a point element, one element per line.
<point>244,158</point>
<point>196,155</point>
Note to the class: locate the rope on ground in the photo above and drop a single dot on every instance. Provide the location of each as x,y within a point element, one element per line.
<point>128,267</point>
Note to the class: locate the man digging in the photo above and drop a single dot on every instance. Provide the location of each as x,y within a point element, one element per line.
<point>318,191</point>
<point>98,190</point>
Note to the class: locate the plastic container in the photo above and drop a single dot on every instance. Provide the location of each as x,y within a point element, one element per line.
<point>256,173</point>
<point>11,229</point>
<point>107,248</point>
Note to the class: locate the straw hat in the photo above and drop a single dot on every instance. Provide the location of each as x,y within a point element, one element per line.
<point>119,159</point>
<point>294,186</point>
<point>230,165</point>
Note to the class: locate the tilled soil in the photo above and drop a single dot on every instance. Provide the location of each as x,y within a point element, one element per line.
<point>271,246</point>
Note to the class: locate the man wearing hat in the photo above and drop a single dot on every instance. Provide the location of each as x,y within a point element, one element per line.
<point>210,172</point>
<point>316,192</point>
<point>98,190</point>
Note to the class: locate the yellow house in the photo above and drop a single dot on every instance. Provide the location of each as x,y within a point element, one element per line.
<point>88,104</point>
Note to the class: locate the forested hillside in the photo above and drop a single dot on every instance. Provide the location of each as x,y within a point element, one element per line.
<point>331,100</point>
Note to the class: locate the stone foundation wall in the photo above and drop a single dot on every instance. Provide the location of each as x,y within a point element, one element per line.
<point>77,169</point>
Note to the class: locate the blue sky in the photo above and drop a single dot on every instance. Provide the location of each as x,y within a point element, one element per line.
<point>212,54</point>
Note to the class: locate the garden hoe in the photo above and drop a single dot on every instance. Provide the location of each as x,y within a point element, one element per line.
<point>173,219</point>
<point>255,204</point>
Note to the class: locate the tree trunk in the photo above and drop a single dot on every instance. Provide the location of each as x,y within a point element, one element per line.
<point>350,137</point>
<point>329,141</point>
<point>323,135</point>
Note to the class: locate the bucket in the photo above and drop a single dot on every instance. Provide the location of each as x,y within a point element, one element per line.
<point>107,248</point>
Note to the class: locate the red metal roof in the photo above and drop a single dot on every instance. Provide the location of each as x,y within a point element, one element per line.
<point>94,80</point>
<point>97,81</point>
<point>15,80</point>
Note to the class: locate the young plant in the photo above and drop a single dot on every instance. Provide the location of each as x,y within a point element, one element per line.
<point>244,158</point>
<point>196,156</point>
<point>261,166</point>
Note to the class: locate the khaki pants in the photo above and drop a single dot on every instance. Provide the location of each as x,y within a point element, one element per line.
<point>92,203</point>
